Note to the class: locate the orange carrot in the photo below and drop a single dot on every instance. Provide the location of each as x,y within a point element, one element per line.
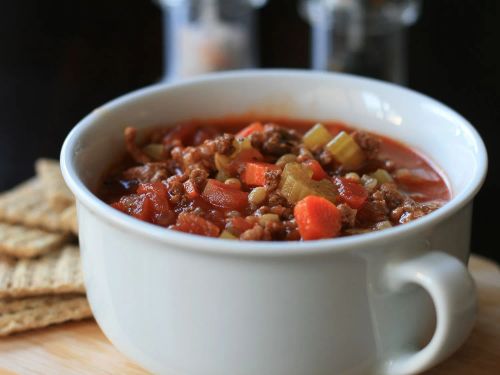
<point>317,218</point>
<point>254,173</point>
<point>318,171</point>
<point>253,127</point>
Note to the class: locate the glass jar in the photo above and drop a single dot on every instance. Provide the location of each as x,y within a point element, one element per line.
<point>365,37</point>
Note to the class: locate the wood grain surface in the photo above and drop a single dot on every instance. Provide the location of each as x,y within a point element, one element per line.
<point>81,348</point>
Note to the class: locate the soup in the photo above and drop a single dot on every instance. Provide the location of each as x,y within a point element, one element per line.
<point>282,180</point>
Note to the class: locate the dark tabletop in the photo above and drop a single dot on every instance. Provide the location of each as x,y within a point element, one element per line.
<point>60,59</point>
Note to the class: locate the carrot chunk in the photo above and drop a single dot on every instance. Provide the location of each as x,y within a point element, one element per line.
<point>317,218</point>
<point>254,173</point>
<point>252,128</point>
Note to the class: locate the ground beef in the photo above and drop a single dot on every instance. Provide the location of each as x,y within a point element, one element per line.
<point>279,210</point>
<point>202,156</point>
<point>256,233</point>
<point>272,180</point>
<point>411,210</point>
<point>191,158</point>
<point>224,144</point>
<point>279,140</point>
<point>374,210</point>
<point>276,199</point>
<point>325,158</point>
<point>291,231</point>
<point>199,178</point>
<point>392,196</point>
<point>175,189</point>
<point>368,143</point>
<point>130,143</point>
<point>257,140</point>
<point>149,172</point>
<point>348,216</point>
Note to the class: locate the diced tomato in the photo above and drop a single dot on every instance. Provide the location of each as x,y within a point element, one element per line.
<point>318,171</point>
<point>153,187</point>
<point>157,193</point>
<point>317,218</point>
<point>138,206</point>
<point>243,157</point>
<point>238,225</point>
<point>252,128</point>
<point>350,192</point>
<point>254,173</point>
<point>191,223</point>
<point>221,195</point>
<point>191,190</point>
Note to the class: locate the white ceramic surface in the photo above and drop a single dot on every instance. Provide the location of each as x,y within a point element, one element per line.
<point>183,304</point>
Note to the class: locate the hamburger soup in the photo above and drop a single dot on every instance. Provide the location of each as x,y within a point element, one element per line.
<point>273,181</point>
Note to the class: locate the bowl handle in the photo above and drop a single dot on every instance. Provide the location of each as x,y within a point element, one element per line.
<point>453,293</point>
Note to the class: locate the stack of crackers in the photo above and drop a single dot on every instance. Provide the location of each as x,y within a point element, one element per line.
<point>41,280</point>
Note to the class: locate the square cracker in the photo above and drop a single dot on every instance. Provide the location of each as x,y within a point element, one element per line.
<point>56,272</point>
<point>19,315</point>
<point>22,242</point>
<point>55,189</point>
<point>26,204</point>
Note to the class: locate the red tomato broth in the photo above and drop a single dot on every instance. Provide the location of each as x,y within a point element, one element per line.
<point>432,187</point>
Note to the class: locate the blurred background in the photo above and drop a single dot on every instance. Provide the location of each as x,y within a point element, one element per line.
<point>61,59</point>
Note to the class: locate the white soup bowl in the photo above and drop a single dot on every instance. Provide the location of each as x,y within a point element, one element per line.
<point>183,304</point>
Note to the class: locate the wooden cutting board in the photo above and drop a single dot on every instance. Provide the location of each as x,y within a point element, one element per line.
<point>81,348</point>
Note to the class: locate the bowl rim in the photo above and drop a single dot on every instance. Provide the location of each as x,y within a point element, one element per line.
<point>278,248</point>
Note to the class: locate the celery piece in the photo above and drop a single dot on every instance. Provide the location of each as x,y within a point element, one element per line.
<point>325,189</point>
<point>296,184</point>
<point>382,176</point>
<point>285,159</point>
<point>154,151</point>
<point>316,137</point>
<point>346,151</point>
<point>226,235</point>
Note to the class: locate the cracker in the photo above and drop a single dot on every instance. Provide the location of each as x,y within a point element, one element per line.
<point>53,273</point>
<point>69,219</point>
<point>26,205</point>
<point>22,242</point>
<point>36,312</point>
<point>55,189</point>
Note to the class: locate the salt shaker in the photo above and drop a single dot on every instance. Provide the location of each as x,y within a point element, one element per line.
<point>202,36</point>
